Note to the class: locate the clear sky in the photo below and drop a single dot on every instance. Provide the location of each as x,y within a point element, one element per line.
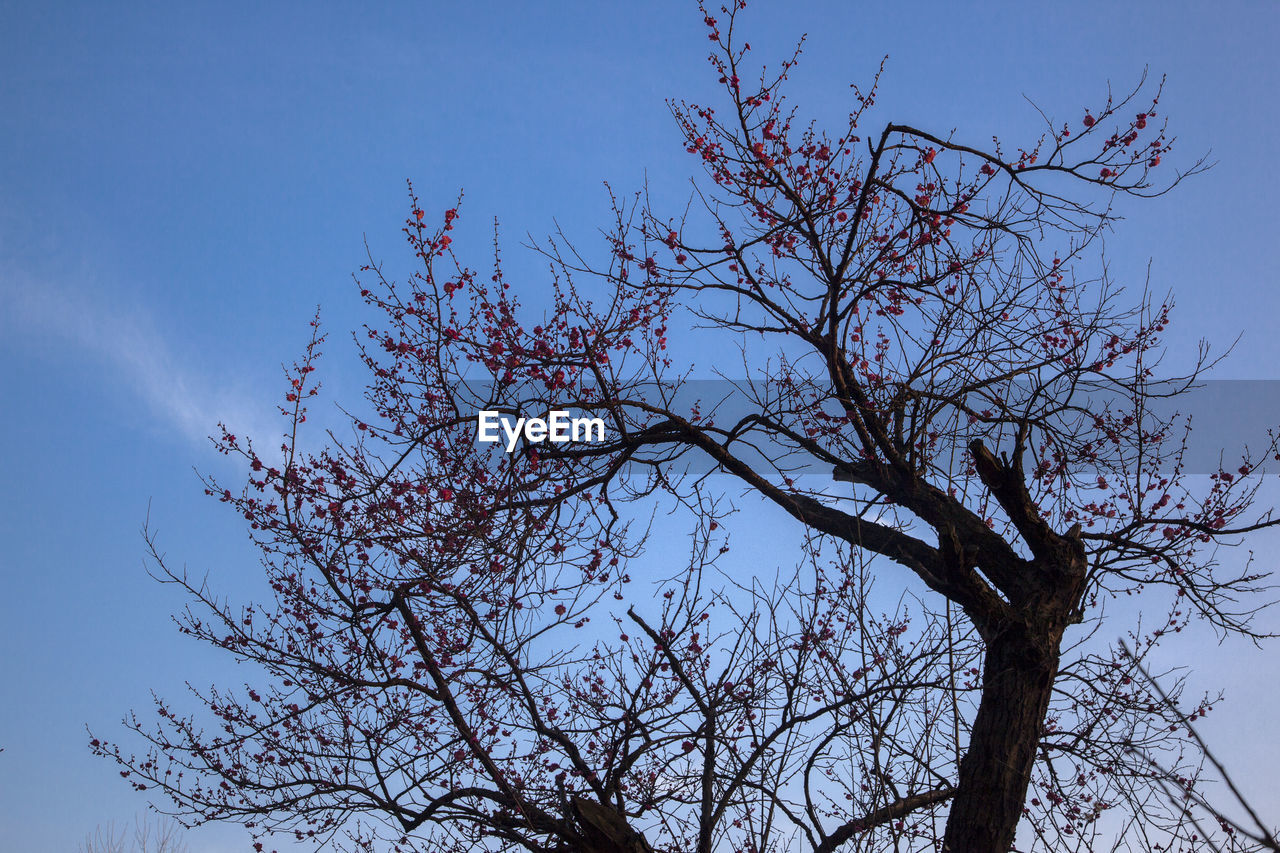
<point>182,184</point>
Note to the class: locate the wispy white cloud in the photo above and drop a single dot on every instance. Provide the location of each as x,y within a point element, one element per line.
<point>126,342</point>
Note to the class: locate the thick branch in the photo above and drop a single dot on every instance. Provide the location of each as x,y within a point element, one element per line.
<point>879,817</point>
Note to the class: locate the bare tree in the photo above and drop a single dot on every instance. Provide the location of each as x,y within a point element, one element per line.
<point>161,836</point>
<point>457,659</point>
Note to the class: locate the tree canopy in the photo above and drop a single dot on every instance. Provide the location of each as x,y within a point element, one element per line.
<point>932,375</point>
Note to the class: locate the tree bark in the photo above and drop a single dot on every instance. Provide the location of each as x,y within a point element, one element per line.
<point>1019,670</point>
<point>603,830</point>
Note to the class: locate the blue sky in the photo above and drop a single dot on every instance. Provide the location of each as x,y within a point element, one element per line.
<point>182,184</point>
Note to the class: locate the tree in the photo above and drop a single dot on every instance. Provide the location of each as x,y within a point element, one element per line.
<point>163,836</point>
<point>916,318</point>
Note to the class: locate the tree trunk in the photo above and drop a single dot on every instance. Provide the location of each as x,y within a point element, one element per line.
<point>603,830</point>
<point>1018,675</point>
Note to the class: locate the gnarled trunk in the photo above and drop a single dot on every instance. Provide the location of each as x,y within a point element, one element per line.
<point>603,830</point>
<point>1019,670</point>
